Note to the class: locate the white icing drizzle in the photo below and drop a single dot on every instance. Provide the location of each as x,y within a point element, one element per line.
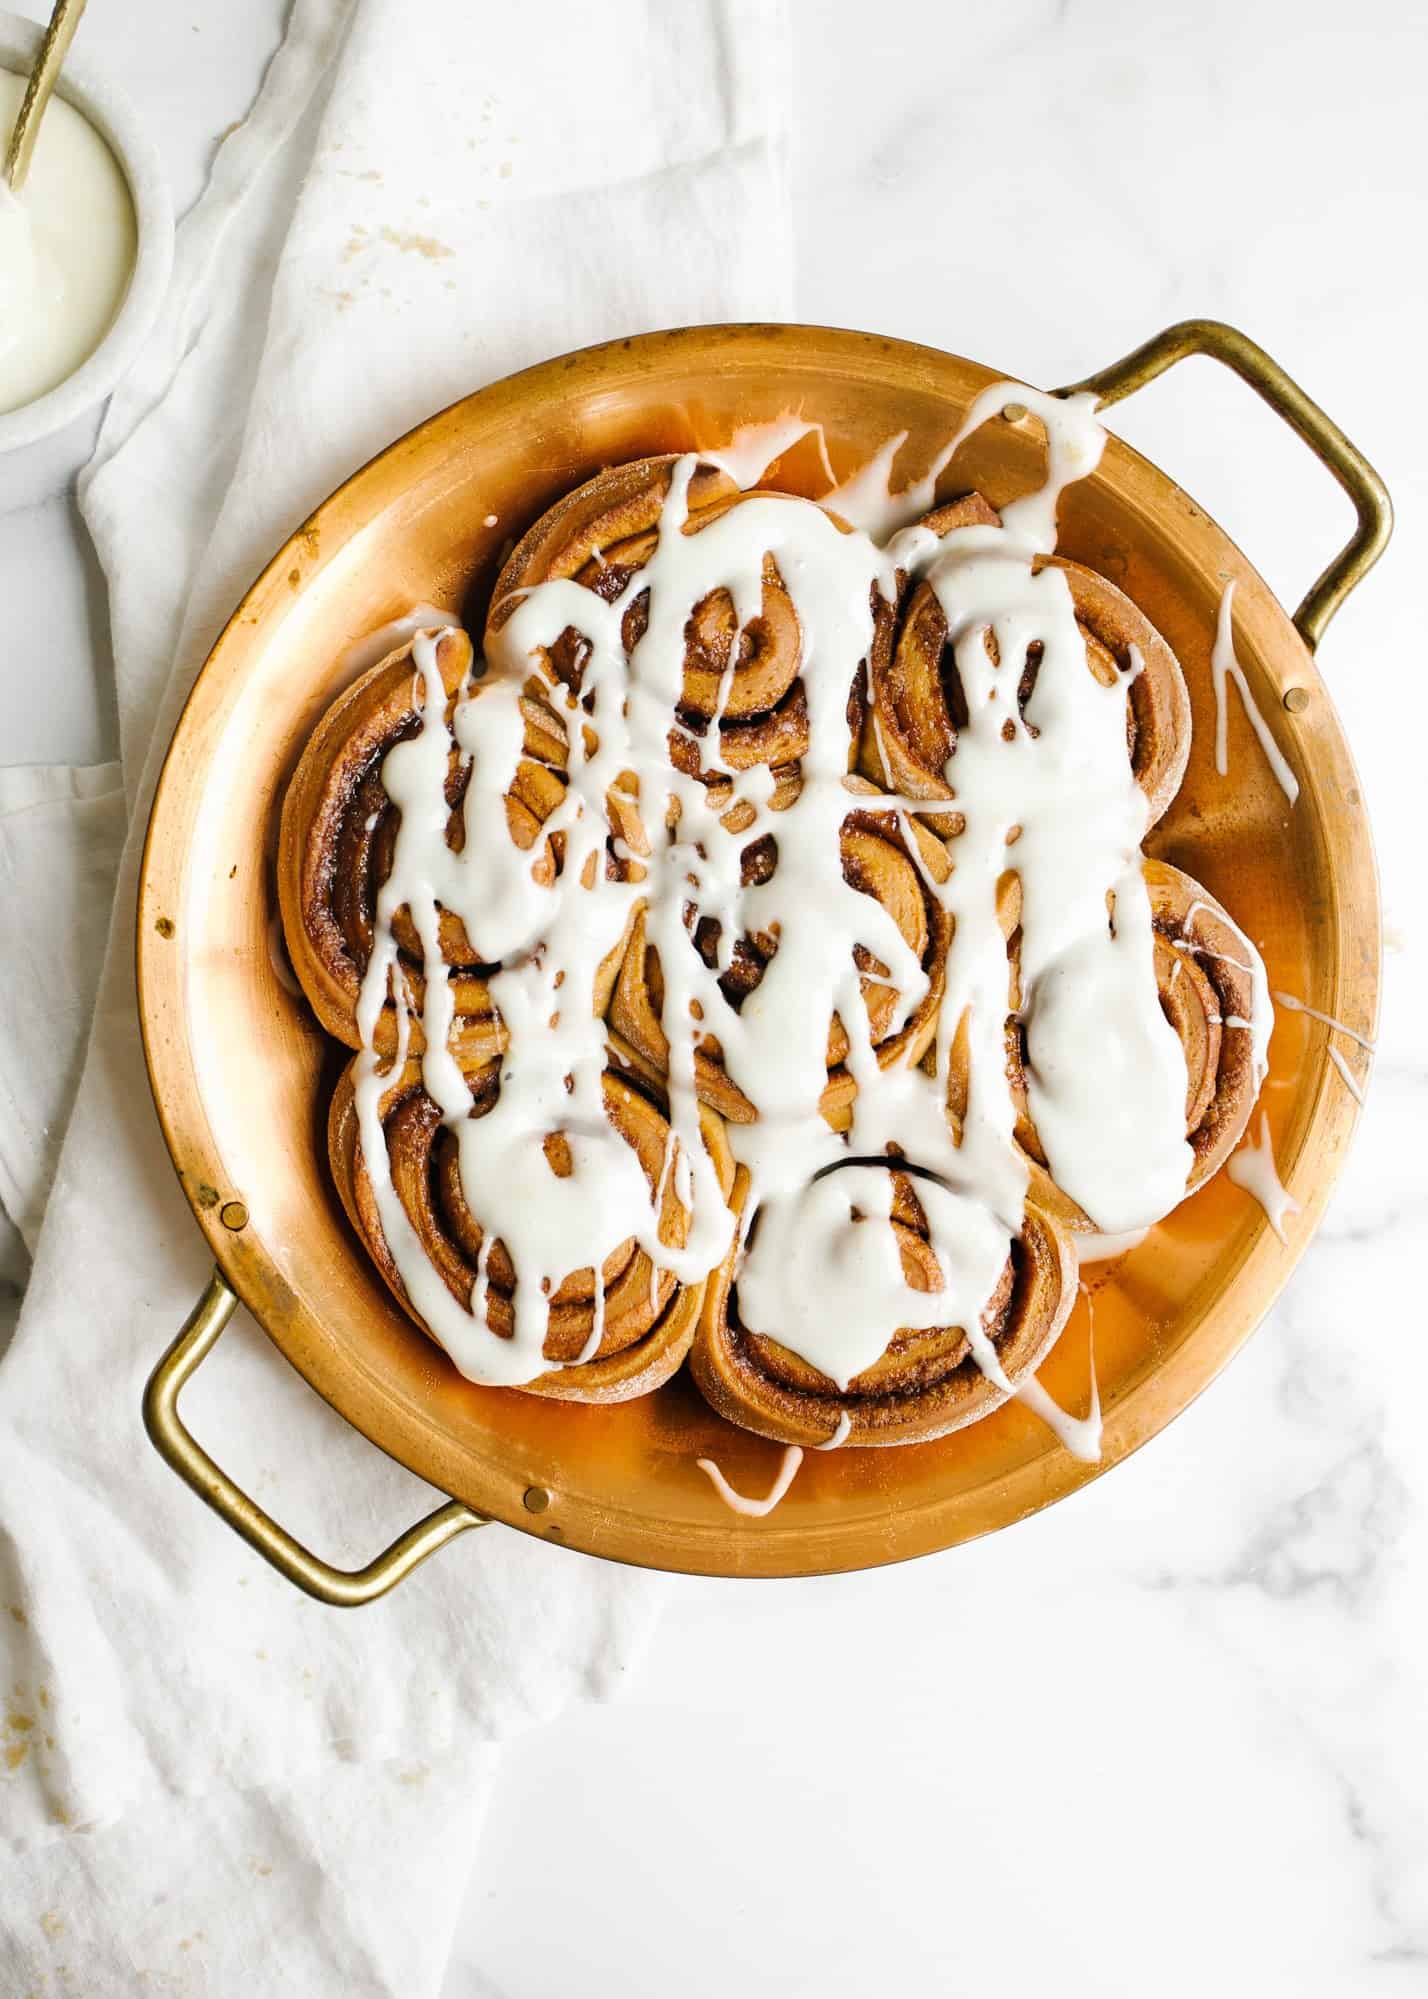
<point>822,1271</point>
<point>1092,1247</point>
<point>867,501</point>
<point>1074,445</point>
<point>1261,1015</point>
<point>1252,1167</point>
<point>378,644</point>
<point>755,446</point>
<point>839,1436</point>
<point>1299,1006</point>
<point>759,1509</point>
<point>1224,667</point>
<point>1081,1435</point>
<point>1350,1080</point>
<point>755,1509</point>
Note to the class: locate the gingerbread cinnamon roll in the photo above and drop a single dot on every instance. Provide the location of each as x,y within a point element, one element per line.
<point>917,705</point>
<point>887,856</point>
<point>338,834</point>
<point>741,701</point>
<point>1211,992</point>
<point>644,1316</point>
<point>926,1382</point>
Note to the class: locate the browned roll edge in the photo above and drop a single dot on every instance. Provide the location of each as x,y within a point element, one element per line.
<point>360,724</point>
<point>1220,1087</point>
<point>1222,1125</point>
<point>635,1020</point>
<point>621,1377</point>
<point>910,731</point>
<point>355,732</point>
<point>602,534</point>
<point>723,1368</point>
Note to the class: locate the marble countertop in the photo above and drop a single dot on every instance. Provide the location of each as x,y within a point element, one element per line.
<point>1172,1735</point>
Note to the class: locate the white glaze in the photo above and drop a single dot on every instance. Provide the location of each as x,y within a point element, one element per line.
<point>755,1509</point>
<point>822,1270</point>
<point>1260,1023</point>
<point>1224,667</point>
<point>1299,1006</point>
<point>755,446</point>
<point>1252,1167</point>
<point>1351,1083</point>
<point>375,646</point>
<point>1091,1246</point>
<point>67,246</point>
<point>839,1436</point>
<point>1080,1435</point>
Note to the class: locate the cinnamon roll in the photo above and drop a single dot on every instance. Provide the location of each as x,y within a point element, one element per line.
<point>740,701</point>
<point>338,833</point>
<point>927,1381</point>
<point>887,856</point>
<point>917,702</point>
<point>1211,990</point>
<point>612,1334</point>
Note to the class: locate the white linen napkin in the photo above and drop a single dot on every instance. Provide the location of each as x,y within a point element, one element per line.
<point>347,1887</point>
<point>61,829</point>
<point>421,201</point>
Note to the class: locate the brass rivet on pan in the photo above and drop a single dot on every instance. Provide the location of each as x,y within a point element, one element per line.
<point>535,1499</point>
<point>1296,699</point>
<point>233,1215</point>
<point>1014,412</point>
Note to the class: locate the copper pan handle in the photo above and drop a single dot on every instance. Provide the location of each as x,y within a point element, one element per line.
<point>1285,397</point>
<point>181,1451</point>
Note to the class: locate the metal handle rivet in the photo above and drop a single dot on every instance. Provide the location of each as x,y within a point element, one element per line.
<point>233,1215</point>
<point>1296,699</point>
<point>535,1499</point>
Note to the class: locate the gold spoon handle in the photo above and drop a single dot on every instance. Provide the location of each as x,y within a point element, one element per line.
<point>43,78</point>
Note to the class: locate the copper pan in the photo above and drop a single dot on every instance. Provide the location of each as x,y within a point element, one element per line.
<point>240,1071</point>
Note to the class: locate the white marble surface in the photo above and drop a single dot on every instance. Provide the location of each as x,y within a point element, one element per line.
<point>1173,1735</point>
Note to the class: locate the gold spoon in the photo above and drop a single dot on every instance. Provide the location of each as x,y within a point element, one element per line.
<point>43,78</point>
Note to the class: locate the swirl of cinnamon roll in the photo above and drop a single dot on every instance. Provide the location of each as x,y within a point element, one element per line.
<point>917,704</point>
<point>338,834</point>
<point>1210,985</point>
<point>612,1334</point>
<point>885,855</point>
<point>742,684</point>
<point>926,1381</point>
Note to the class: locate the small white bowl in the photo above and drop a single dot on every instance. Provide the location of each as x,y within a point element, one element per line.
<point>79,394</point>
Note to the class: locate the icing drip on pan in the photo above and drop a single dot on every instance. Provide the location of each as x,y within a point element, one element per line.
<point>792,1458</point>
<point>1253,1168</point>
<point>754,1509</point>
<point>1328,1020</point>
<point>1351,1083</point>
<point>1224,667</point>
